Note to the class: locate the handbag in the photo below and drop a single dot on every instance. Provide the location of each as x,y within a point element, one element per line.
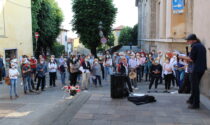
<point>7,80</point>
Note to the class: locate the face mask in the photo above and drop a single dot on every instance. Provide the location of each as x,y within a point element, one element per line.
<point>41,62</point>
<point>157,62</point>
<point>96,62</point>
<point>150,55</point>
<point>13,67</point>
<point>142,55</point>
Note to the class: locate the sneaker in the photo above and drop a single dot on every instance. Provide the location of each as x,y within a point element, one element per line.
<point>136,88</point>
<point>16,96</point>
<point>10,97</point>
<point>148,91</point>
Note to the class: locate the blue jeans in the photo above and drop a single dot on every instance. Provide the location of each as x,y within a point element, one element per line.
<point>63,77</point>
<point>108,71</point>
<point>13,86</point>
<point>27,83</point>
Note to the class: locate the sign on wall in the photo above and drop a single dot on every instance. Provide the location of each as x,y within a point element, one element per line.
<point>178,6</point>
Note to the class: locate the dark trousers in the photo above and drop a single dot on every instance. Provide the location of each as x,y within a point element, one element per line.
<point>148,75</point>
<point>195,93</point>
<point>41,80</point>
<point>98,77</point>
<point>154,79</point>
<point>168,79</point>
<point>186,87</point>
<point>128,81</point>
<point>142,71</point>
<point>52,78</point>
<point>139,74</point>
<point>73,79</point>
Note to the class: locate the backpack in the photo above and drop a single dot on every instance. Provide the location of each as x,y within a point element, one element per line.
<point>62,68</point>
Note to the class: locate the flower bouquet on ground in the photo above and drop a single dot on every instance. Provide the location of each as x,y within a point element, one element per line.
<point>72,90</point>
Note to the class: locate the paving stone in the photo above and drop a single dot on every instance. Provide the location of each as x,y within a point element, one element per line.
<point>101,122</point>
<point>83,116</point>
<point>81,122</point>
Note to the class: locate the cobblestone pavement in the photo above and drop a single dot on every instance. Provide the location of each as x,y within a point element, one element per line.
<point>170,109</point>
<point>95,107</point>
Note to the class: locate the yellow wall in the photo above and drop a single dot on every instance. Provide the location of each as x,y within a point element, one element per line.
<point>116,32</point>
<point>16,17</point>
<point>76,43</point>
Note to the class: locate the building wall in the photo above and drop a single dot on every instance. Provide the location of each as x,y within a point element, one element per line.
<point>201,27</point>
<point>17,31</point>
<point>62,38</point>
<point>160,26</point>
<point>116,36</point>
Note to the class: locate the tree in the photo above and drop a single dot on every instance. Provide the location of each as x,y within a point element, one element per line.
<point>135,34</point>
<point>46,19</point>
<point>125,37</point>
<point>110,40</point>
<point>58,49</point>
<point>87,15</point>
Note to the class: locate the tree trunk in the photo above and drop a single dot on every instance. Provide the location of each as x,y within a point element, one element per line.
<point>93,51</point>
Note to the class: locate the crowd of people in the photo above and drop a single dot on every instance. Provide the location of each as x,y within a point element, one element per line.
<point>154,67</point>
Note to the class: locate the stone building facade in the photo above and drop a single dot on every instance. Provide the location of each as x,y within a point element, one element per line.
<point>162,29</point>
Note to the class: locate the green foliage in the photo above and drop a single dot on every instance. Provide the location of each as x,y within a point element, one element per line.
<point>87,15</point>
<point>135,34</point>
<point>110,41</point>
<point>57,49</point>
<point>46,19</point>
<point>128,35</point>
<point>125,37</point>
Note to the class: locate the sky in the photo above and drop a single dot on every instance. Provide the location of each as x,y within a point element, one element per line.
<point>127,14</point>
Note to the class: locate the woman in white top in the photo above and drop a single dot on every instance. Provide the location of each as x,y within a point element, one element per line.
<point>168,74</point>
<point>13,75</point>
<point>52,71</point>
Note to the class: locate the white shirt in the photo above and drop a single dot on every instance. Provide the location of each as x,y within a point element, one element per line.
<point>108,62</point>
<point>52,67</point>
<point>133,63</point>
<point>13,73</point>
<point>167,67</point>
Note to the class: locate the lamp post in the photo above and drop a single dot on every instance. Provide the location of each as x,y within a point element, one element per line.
<point>101,34</point>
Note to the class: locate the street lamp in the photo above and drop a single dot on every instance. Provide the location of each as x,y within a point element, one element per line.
<point>100,27</point>
<point>101,34</point>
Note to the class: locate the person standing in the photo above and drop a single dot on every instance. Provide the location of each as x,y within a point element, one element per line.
<point>26,74</point>
<point>155,71</point>
<point>52,71</point>
<point>108,66</point>
<point>41,73</point>
<point>199,65</point>
<point>33,64</point>
<point>74,70</point>
<point>13,75</point>
<point>85,73</point>
<point>96,72</point>
<point>168,71</point>
<point>62,69</point>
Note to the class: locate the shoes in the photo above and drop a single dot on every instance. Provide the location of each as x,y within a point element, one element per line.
<point>193,107</point>
<point>31,91</point>
<point>25,92</point>
<point>148,91</point>
<point>16,96</point>
<point>10,97</point>
<point>188,102</point>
